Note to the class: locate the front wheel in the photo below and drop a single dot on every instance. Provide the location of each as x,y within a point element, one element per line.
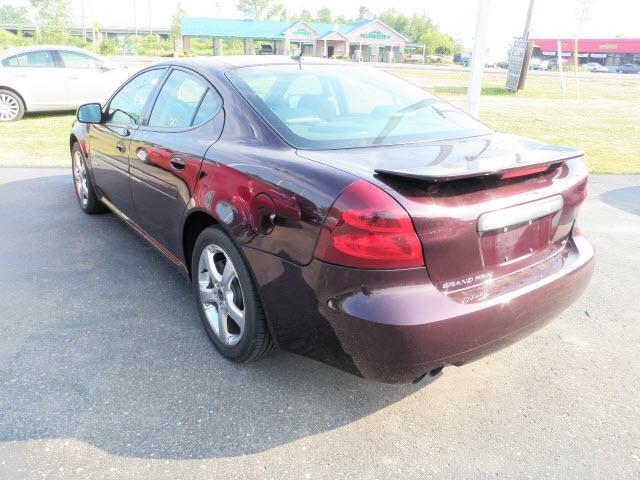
<point>227,298</point>
<point>85,193</point>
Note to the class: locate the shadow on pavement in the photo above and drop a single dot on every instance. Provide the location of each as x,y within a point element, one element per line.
<point>627,199</point>
<point>102,343</point>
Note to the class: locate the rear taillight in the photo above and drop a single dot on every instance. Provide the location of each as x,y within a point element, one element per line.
<point>366,228</point>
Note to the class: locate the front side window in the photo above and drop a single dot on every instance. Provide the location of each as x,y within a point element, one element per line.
<point>38,59</point>
<point>128,104</point>
<point>335,106</point>
<point>79,60</point>
<point>184,100</point>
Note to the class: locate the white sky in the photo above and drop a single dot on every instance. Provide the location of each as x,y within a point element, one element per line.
<point>551,18</point>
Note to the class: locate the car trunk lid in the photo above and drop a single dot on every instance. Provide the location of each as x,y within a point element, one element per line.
<point>482,207</point>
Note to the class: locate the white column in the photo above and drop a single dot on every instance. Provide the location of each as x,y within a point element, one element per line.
<point>477,59</point>
<point>248,46</point>
<point>217,46</point>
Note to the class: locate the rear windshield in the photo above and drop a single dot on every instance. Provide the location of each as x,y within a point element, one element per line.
<point>336,106</point>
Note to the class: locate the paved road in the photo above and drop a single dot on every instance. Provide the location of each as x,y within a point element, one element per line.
<point>105,371</point>
<point>612,75</point>
<point>138,62</point>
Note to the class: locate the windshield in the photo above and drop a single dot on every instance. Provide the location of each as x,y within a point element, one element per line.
<point>335,106</point>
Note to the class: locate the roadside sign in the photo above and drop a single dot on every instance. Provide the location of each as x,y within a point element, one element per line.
<point>516,64</point>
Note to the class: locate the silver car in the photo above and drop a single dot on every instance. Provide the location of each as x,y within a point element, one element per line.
<point>48,77</point>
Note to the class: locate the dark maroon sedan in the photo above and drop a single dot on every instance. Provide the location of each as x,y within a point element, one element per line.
<point>337,211</point>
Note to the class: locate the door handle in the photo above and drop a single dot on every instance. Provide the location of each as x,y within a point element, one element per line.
<point>121,147</point>
<point>73,78</point>
<point>178,163</point>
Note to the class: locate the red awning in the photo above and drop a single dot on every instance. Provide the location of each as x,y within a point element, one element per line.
<point>591,45</point>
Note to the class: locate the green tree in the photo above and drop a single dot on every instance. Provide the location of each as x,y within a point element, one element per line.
<point>306,15</point>
<point>364,12</point>
<point>421,29</point>
<point>398,22</point>
<point>10,15</point>
<point>53,18</point>
<point>324,15</point>
<point>258,7</point>
<point>176,21</point>
<point>277,12</point>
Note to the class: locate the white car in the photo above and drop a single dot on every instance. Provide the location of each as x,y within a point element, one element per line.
<point>47,78</point>
<point>596,67</point>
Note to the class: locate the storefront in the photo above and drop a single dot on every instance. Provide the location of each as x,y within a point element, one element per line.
<point>366,40</point>
<point>608,52</point>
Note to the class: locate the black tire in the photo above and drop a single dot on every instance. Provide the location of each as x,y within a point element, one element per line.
<point>12,100</point>
<point>88,201</point>
<point>255,341</point>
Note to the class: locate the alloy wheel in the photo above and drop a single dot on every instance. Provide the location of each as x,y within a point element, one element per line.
<point>9,108</point>
<point>80,178</point>
<point>221,294</point>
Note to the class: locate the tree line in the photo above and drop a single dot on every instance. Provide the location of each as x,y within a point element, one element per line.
<point>53,19</point>
<point>419,28</point>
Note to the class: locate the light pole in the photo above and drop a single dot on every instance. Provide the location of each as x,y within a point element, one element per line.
<point>477,58</point>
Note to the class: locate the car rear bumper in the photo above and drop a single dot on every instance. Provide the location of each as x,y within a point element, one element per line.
<point>396,326</point>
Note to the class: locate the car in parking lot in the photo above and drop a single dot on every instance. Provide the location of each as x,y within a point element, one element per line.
<point>265,49</point>
<point>595,67</point>
<point>337,211</point>
<point>628,68</point>
<point>49,77</point>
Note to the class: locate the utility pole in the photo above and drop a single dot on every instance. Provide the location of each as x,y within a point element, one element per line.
<point>527,22</point>
<point>527,55</point>
<point>477,58</point>
<point>135,19</point>
<point>582,19</point>
<point>84,28</point>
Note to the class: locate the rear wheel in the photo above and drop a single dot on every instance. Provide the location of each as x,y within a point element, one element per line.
<point>85,193</point>
<point>227,299</point>
<point>11,106</point>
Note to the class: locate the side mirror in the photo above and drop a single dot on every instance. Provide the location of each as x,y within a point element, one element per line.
<point>89,113</point>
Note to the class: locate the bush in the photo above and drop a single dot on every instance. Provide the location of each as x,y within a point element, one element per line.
<point>9,40</point>
<point>108,47</point>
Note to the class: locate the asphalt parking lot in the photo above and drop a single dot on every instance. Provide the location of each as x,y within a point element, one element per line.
<point>105,371</point>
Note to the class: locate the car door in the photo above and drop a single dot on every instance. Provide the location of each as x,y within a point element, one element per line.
<point>109,141</point>
<point>85,78</point>
<point>38,78</point>
<point>167,151</point>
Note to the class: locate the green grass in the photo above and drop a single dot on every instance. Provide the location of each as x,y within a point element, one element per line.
<point>604,121</point>
<point>38,140</point>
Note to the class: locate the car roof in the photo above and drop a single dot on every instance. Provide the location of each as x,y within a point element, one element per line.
<point>235,61</point>
<point>34,48</point>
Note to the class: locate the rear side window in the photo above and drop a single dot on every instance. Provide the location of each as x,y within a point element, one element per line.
<point>79,60</point>
<point>184,100</point>
<point>11,62</point>
<point>39,59</point>
<point>208,108</point>
<point>128,104</point>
